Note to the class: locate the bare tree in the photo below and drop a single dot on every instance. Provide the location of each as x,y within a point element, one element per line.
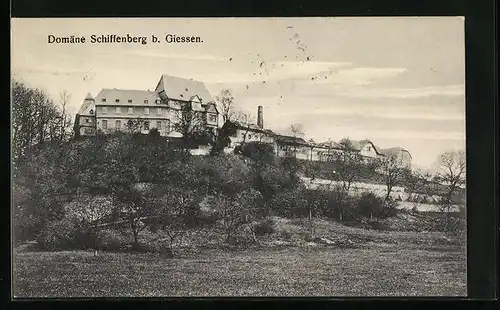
<point>65,118</point>
<point>226,101</point>
<point>35,118</point>
<point>237,211</point>
<point>133,209</point>
<point>189,123</point>
<point>243,118</point>
<point>349,167</point>
<point>134,125</point>
<point>349,164</point>
<point>297,130</point>
<point>452,174</point>
<point>416,183</point>
<point>393,173</point>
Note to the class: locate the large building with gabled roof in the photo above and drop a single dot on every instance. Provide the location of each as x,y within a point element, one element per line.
<point>142,110</point>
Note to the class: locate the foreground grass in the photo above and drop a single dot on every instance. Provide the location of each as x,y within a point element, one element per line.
<point>380,269</point>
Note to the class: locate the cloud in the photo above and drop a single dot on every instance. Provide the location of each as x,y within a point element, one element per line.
<point>359,76</point>
<point>273,71</point>
<point>404,93</point>
<point>158,54</point>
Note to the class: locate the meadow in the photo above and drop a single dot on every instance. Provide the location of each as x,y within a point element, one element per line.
<point>358,262</point>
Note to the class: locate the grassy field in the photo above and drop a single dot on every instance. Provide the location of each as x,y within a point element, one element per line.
<point>376,263</point>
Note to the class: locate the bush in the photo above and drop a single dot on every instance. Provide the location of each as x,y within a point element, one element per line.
<point>113,241</point>
<point>285,235</point>
<point>389,209</point>
<point>376,225</point>
<point>66,234</point>
<point>264,227</point>
<point>258,151</point>
<point>369,205</point>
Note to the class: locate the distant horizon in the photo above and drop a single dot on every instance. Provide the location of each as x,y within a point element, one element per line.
<point>382,79</point>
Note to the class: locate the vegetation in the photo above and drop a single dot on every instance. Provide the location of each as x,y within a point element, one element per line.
<point>143,193</point>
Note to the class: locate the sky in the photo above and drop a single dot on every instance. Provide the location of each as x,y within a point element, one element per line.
<point>397,81</point>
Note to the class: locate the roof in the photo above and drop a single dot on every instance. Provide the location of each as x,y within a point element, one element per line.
<point>393,150</point>
<point>183,89</point>
<point>250,127</point>
<point>328,145</point>
<point>291,140</point>
<point>124,95</point>
<point>358,145</point>
<point>89,97</point>
<point>85,108</point>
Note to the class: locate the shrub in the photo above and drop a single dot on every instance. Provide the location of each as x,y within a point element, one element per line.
<point>389,209</point>
<point>264,227</point>
<point>369,205</point>
<point>378,225</point>
<point>114,241</point>
<point>67,233</point>
<point>285,235</point>
<point>258,151</point>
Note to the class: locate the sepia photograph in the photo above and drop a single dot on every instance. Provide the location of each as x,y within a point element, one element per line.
<point>231,157</point>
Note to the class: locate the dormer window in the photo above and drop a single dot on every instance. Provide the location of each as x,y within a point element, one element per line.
<point>103,99</point>
<point>157,101</point>
<point>117,100</point>
<point>130,101</point>
<point>181,95</point>
<point>146,101</point>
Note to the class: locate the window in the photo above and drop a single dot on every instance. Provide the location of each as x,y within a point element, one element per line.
<point>158,111</point>
<point>130,110</point>
<point>91,112</point>
<point>118,110</point>
<point>157,101</point>
<point>130,101</point>
<point>104,124</point>
<point>249,136</point>
<point>118,124</point>
<point>158,125</point>
<point>117,100</point>
<point>104,110</point>
<point>146,101</point>
<point>88,130</point>
<point>243,135</point>
<point>103,99</point>
<point>146,111</point>
<point>146,125</point>
<point>87,120</point>
<point>369,148</point>
<point>212,118</point>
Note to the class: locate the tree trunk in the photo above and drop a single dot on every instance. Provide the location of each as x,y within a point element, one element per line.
<point>388,195</point>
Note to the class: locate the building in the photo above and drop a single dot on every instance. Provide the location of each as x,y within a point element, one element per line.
<point>402,156</point>
<point>325,151</point>
<point>240,133</point>
<point>85,120</point>
<point>142,110</point>
<point>290,146</point>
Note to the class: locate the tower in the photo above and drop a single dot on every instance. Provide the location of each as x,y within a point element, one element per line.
<point>260,117</point>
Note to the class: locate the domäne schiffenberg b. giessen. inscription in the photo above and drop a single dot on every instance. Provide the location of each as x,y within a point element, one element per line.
<point>113,38</point>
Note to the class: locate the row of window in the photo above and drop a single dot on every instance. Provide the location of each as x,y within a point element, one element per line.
<point>130,100</point>
<point>144,125</point>
<point>118,110</point>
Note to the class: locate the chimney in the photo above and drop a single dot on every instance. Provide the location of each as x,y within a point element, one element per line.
<point>260,117</point>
